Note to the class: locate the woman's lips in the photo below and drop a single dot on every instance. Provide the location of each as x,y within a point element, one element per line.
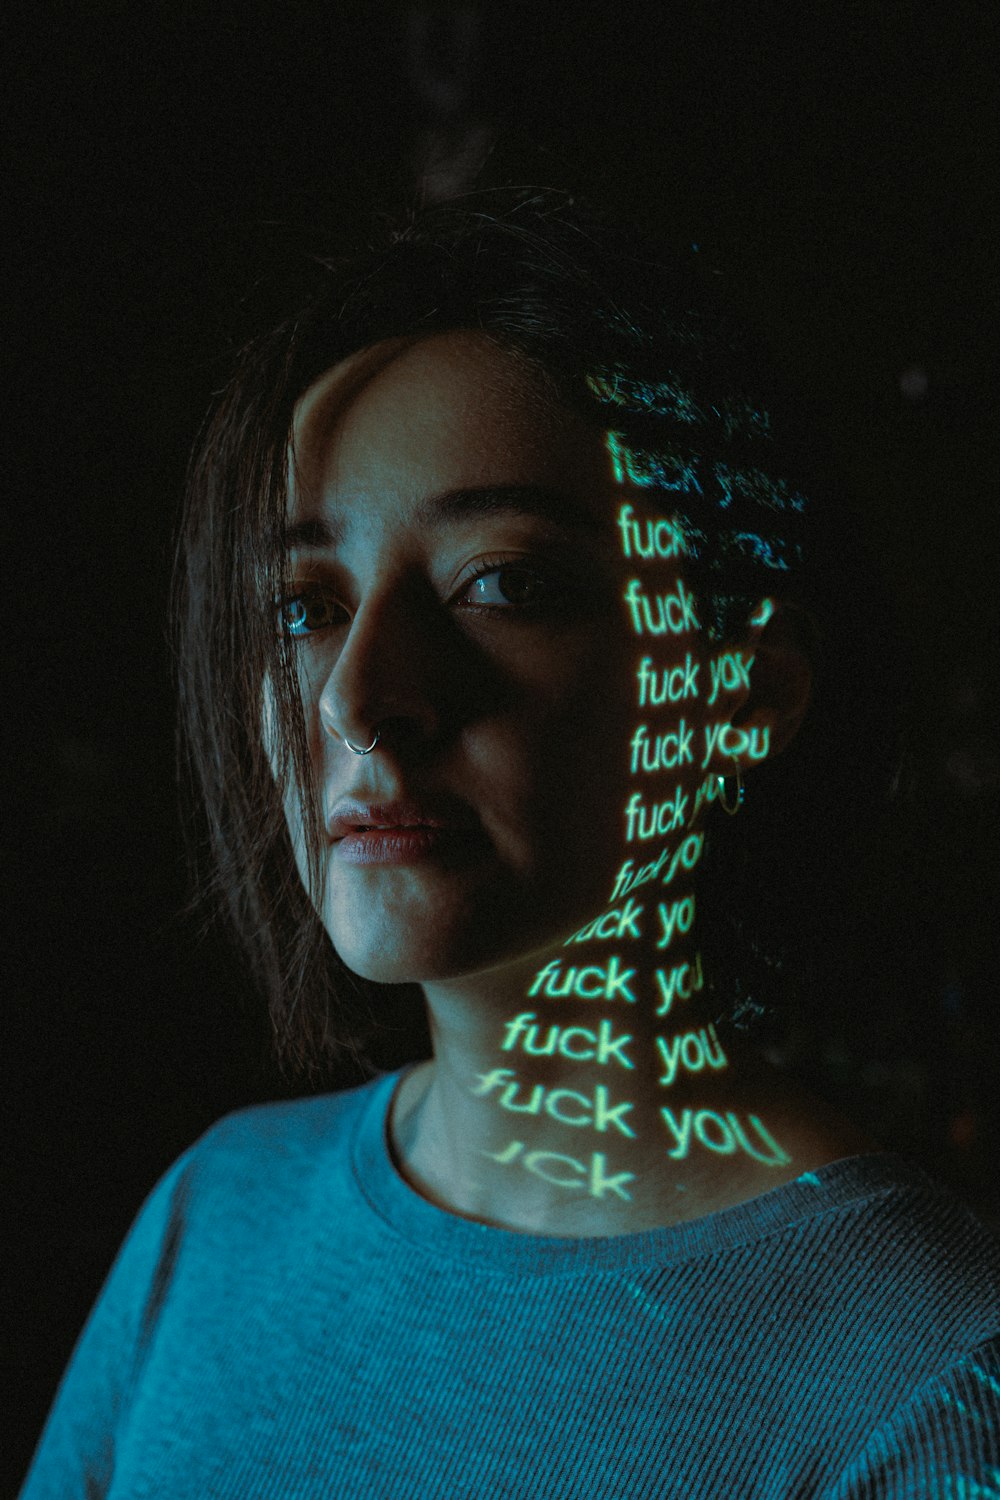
<point>399,832</point>
<point>400,846</point>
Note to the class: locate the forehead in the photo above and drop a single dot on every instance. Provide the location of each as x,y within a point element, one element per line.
<point>407,418</point>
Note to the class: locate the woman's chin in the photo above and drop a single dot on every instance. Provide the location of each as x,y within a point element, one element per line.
<point>377,969</point>
<point>404,966</point>
<point>396,958</point>
<point>434,942</point>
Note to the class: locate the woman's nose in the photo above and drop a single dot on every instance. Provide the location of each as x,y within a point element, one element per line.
<point>391,676</point>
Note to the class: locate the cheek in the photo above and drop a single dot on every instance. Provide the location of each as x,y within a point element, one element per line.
<point>550,777</point>
<point>592,789</point>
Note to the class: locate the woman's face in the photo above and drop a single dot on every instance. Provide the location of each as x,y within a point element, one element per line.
<point>458,582</point>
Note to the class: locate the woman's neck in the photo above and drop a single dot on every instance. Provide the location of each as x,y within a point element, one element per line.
<point>585,1094</point>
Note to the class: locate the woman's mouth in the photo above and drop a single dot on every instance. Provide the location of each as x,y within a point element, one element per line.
<point>399,833</point>
<point>398,846</point>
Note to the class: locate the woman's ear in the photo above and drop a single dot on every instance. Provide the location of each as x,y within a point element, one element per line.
<point>763,682</point>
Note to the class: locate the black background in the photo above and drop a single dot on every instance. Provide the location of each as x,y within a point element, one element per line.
<point>841,162</point>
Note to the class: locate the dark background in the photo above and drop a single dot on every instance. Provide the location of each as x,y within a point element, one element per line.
<point>840,162</point>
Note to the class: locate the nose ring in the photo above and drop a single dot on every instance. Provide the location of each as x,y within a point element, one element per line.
<point>371,747</point>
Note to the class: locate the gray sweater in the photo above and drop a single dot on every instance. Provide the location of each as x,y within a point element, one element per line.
<point>287,1317</point>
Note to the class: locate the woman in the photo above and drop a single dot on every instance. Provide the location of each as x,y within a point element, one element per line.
<point>495,589</point>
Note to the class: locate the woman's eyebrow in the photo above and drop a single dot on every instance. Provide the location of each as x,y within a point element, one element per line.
<point>451,507</point>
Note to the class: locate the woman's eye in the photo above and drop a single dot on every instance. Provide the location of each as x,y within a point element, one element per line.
<point>305,613</point>
<point>510,584</point>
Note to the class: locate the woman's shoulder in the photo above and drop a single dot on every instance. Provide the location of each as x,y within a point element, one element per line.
<point>887,1245</point>
<point>283,1125</point>
<point>253,1175</point>
<point>282,1141</point>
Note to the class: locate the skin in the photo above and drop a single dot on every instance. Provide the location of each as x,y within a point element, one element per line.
<point>526,718</point>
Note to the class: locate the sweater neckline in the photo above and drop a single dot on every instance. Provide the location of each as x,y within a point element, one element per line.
<point>849,1180</point>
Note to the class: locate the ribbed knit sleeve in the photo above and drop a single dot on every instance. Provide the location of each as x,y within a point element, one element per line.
<point>941,1443</point>
<point>76,1453</point>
